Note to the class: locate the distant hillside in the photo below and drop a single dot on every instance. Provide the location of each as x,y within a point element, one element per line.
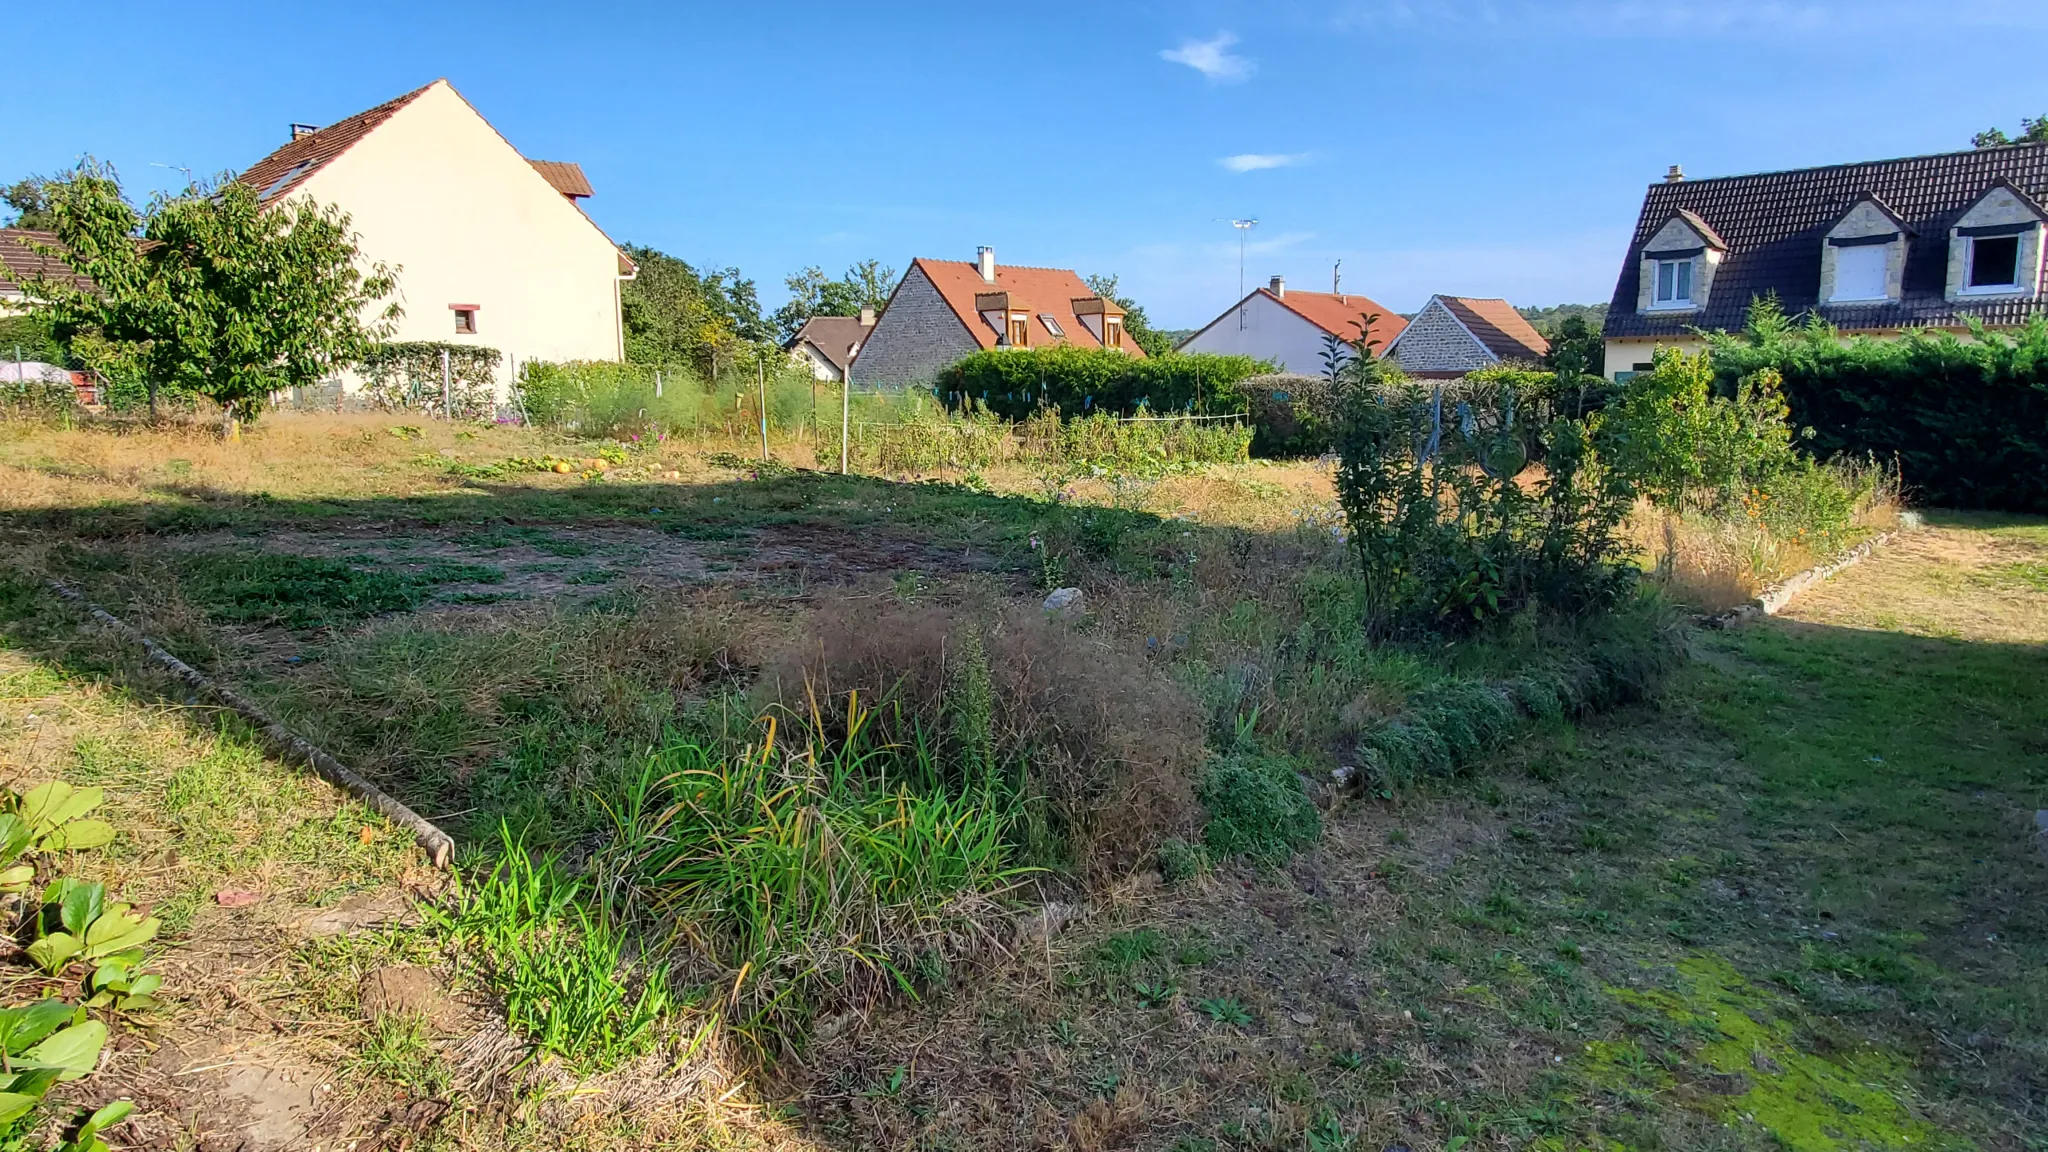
<point>1546,320</point>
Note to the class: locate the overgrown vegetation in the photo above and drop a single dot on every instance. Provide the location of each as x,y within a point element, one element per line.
<point>433,377</point>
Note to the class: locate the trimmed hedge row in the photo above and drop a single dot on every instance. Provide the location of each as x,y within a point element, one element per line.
<point>1967,420</point>
<point>1014,383</point>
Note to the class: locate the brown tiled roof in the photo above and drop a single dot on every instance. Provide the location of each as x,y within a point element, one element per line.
<point>1774,224</point>
<point>1504,331</point>
<point>830,335</point>
<point>276,174</point>
<point>1340,314</point>
<point>1039,291</point>
<point>20,263</point>
<point>567,176</point>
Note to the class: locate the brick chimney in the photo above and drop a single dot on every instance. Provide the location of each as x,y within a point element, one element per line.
<point>1278,286</point>
<point>1675,176</point>
<point>985,259</point>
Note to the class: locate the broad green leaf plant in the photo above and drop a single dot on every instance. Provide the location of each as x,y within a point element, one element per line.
<point>53,1040</point>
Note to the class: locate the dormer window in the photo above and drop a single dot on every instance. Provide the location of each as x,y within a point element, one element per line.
<point>1863,272</point>
<point>1113,332</point>
<point>1994,264</point>
<point>1020,330</point>
<point>1674,284</point>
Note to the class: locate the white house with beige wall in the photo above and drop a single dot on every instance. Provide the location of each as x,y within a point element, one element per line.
<point>1873,248</point>
<point>488,247</point>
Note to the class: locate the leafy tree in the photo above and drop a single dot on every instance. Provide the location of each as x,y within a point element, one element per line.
<point>1154,341</point>
<point>866,284</point>
<point>2033,130</point>
<point>222,297</point>
<point>675,314</point>
<point>1547,320</point>
<point>29,197</point>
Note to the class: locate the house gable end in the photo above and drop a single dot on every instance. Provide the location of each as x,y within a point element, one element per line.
<point>918,335</point>
<point>1437,341</point>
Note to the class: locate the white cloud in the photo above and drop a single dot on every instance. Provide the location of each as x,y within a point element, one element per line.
<point>1259,161</point>
<point>1213,59</point>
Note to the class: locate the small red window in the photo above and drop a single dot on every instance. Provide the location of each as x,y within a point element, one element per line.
<point>465,318</point>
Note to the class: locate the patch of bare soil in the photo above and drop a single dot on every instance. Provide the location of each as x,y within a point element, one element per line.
<point>570,561</point>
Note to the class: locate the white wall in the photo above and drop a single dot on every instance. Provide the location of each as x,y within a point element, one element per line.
<point>437,192</point>
<point>1270,332</point>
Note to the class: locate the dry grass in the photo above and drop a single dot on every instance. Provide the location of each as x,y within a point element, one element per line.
<point>1110,744</point>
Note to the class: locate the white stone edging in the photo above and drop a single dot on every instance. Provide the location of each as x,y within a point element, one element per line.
<point>1773,599</point>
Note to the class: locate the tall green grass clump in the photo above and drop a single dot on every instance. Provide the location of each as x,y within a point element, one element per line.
<point>605,398</point>
<point>563,968</point>
<point>826,861</point>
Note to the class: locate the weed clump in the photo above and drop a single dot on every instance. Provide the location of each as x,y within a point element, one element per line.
<point>1257,807</point>
<point>1098,749</point>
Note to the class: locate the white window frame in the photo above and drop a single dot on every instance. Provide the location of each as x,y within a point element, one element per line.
<point>1052,325</point>
<point>1884,278</point>
<point>1676,301</point>
<point>2011,288</point>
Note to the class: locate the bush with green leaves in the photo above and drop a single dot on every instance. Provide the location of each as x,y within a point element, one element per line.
<point>406,376</point>
<point>1015,382</point>
<point>1449,532</point>
<point>75,926</point>
<point>1964,417</point>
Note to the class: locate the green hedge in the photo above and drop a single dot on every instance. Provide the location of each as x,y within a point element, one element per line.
<point>1013,383</point>
<point>1967,420</point>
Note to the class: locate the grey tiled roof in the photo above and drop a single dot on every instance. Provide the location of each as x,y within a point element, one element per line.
<point>1774,223</point>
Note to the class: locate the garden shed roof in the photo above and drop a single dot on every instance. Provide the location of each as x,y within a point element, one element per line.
<point>1774,224</point>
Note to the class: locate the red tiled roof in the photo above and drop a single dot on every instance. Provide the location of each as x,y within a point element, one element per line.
<point>566,175</point>
<point>1341,314</point>
<point>276,174</point>
<point>1039,291</point>
<point>20,263</point>
<point>1503,330</point>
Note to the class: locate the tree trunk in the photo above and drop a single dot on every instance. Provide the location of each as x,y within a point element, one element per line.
<point>230,428</point>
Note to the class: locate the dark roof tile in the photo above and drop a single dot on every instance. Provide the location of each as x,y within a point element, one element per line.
<point>1774,223</point>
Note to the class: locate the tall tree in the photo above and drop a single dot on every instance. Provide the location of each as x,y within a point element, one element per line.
<point>2033,130</point>
<point>1136,325</point>
<point>29,198</point>
<point>867,284</point>
<point>675,314</point>
<point>222,297</point>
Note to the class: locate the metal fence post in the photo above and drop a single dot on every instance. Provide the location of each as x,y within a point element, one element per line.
<point>447,389</point>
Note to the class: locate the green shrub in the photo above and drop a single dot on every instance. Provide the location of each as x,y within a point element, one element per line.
<point>1447,534</point>
<point>1257,806</point>
<point>604,398</point>
<point>1966,420</point>
<point>1682,444</point>
<point>406,377</point>
<point>1082,381</point>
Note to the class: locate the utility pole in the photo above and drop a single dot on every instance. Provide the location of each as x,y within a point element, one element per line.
<point>1243,227</point>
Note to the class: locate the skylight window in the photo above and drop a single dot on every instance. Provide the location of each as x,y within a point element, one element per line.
<point>1051,325</point>
<point>289,178</point>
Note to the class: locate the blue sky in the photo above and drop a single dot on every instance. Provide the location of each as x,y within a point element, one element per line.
<point>1480,147</point>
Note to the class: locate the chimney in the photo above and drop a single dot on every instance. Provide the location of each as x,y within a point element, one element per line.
<point>867,317</point>
<point>1278,285</point>
<point>1675,176</point>
<point>299,130</point>
<point>985,259</point>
